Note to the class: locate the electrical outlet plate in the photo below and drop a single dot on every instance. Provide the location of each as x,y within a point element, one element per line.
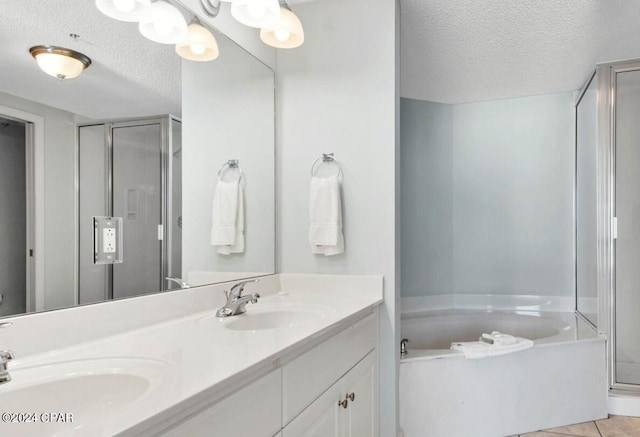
<point>107,240</point>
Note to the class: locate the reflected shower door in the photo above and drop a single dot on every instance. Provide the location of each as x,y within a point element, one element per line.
<point>137,198</point>
<point>174,233</point>
<point>627,245</point>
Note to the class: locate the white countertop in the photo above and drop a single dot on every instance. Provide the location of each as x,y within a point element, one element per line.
<point>196,357</point>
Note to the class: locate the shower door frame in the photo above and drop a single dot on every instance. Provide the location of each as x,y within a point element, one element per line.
<point>606,76</point>
<point>166,145</point>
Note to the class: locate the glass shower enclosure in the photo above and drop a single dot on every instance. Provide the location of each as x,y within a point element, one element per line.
<point>607,213</point>
<point>130,169</point>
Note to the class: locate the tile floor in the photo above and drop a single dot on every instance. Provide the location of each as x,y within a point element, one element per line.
<point>614,426</point>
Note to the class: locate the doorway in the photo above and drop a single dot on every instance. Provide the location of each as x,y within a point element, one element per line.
<point>16,213</point>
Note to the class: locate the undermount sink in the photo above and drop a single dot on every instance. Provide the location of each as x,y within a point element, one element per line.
<point>77,397</point>
<point>255,321</point>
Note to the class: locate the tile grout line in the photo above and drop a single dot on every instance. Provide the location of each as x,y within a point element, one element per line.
<point>597,427</point>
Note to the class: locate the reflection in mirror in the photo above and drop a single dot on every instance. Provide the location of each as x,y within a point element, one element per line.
<point>128,138</point>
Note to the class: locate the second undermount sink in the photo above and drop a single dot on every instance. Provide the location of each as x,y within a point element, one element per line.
<point>270,316</point>
<point>81,397</point>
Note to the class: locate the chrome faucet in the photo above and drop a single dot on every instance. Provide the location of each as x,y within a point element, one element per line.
<point>178,281</point>
<point>403,347</point>
<point>236,301</point>
<point>5,357</point>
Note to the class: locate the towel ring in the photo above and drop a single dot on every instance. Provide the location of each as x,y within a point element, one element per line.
<point>231,164</point>
<point>326,157</point>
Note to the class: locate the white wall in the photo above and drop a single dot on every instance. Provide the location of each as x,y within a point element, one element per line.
<point>337,93</point>
<point>228,107</point>
<point>511,191</point>
<point>427,206</point>
<point>59,201</point>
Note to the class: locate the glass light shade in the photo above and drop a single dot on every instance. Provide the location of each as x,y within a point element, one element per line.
<point>165,24</point>
<point>256,13</point>
<point>200,44</point>
<point>125,10</point>
<point>59,62</point>
<point>287,33</point>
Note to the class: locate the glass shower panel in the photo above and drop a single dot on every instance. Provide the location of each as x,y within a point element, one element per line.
<point>137,198</point>
<point>627,211</point>
<point>586,203</point>
<point>175,187</point>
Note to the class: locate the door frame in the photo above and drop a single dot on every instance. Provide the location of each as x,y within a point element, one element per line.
<point>34,158</point>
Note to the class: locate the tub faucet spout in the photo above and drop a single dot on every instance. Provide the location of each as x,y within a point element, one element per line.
<point>403,347</point>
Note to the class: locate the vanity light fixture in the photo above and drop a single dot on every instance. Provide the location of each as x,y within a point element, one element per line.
<point>286,33</point>
<point>211,7</point>
<point>200,44</point>
<point>125,10</point>
<point>60,62</point>
<point>164,24</point>
<point>256,13</point>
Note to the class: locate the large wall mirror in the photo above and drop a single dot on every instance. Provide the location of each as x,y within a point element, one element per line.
<point>141,137</point>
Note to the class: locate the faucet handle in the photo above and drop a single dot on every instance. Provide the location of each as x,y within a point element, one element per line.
<point>240,286</point>
<point>6,356</point>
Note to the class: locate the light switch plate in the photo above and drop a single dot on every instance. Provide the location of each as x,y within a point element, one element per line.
<point>107,240</point>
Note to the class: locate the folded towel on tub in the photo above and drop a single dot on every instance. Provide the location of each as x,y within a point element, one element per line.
<point>491,345</point>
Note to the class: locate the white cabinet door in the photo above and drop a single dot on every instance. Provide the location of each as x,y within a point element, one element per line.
<point>360,416</point>
<point>321,419</point>
<point>327,417</point>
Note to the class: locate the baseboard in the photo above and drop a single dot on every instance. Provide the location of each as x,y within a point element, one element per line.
<point>623,404</point>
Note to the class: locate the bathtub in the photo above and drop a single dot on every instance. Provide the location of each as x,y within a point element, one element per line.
<point>560,381</point>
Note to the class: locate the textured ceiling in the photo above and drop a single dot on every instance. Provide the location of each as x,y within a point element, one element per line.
<point>130,75</point>
<point>455,51</point>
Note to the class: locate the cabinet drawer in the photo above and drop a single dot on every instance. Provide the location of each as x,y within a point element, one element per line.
<point>308,376</point>
<point>253,411</point>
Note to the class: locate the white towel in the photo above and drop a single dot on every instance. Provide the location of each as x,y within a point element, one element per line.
<point>227,229</point>
<point>325,217</point>
<point>502,344</point>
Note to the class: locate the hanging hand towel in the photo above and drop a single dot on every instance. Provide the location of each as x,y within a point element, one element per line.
<point>238,244</point>
<point>325,211</point>
<point>227,229</point>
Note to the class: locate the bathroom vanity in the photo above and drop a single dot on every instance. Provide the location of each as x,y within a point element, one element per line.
<point>301,361</point>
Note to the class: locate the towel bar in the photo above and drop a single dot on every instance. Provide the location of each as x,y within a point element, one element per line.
<point>326,157</point>
<point>231,164</point>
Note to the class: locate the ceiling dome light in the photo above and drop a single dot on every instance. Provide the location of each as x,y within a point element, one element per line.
<point>200,44</point>
<point>287,33</point>
<point>256,13</point>
<point>125,10</point>
<point>165,24</point>
<point>60,62</point>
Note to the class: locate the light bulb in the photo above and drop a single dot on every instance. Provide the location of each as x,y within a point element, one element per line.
<point>162,27</point>
<point>285,33</point>
<point>255,10</point>
<point>282,35</point>
<point>197,49</point>
<point>124,5</point>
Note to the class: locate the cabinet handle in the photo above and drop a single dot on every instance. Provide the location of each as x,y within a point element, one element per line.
<point>351,397</point>
<point>344,404</point>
